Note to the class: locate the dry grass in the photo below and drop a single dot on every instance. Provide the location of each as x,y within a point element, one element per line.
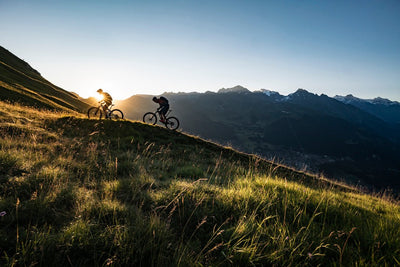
<point>85,192</point>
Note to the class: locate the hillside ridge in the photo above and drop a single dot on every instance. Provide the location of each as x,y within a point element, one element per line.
<point>82,192</point>
<point>130,129</point>
<point>19,82</point>
<point>42,81</point>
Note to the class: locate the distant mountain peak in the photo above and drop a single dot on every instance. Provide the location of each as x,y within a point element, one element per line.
<point>350,96</point>
<point>269,92</point>
<point>349,99</point>
<point>383,101</point>
<point>300,93</point>
<point>236,89</point>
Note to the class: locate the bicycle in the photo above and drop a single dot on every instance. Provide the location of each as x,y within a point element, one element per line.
<point>171,123</point>
<point>98,112</point>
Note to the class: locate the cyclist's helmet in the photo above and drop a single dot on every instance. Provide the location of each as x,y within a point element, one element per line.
<point>154,98</point>
<point>100,91</point>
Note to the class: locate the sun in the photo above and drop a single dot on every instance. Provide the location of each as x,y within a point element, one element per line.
<point>99,97</point>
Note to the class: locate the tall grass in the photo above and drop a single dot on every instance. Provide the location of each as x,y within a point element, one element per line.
<point>99,193</point>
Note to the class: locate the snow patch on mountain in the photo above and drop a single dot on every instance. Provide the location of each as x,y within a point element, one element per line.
<point>269,92</point>
<point>349,99</point>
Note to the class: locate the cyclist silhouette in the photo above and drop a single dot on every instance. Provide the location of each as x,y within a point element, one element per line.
<point>164,106</point>
<point>106,101</point>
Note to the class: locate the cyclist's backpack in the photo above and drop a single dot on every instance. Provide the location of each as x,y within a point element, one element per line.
<point>164,99</point>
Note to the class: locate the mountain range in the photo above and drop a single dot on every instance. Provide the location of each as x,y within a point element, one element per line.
<point>382,108</point>
<point>343,137</point>
<point>356,141</point>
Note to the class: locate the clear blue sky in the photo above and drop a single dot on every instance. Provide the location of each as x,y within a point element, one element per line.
<point>148,47</point>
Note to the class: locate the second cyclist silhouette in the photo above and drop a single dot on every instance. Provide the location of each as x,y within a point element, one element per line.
<point>164,106</point>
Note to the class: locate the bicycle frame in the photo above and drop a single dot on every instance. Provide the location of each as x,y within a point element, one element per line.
<point>171,123</point>
<point>166,114</point>
<point>108,111</point>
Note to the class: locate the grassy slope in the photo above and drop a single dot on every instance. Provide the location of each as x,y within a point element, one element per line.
<point>86,192</point>
<point>19,82</point>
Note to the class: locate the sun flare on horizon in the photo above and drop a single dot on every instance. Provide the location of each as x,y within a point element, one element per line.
<point>99,97</point>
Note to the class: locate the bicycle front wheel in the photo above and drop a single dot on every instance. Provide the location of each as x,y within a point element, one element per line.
<point>95,113</point>
<point>172,123</point>
<point>150,118</point>
<point>116,114</point>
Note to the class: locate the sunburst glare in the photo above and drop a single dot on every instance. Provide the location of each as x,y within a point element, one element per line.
<point>99,97</point>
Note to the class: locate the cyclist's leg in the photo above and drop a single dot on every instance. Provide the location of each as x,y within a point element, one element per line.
<point>105,108</point>
<point>163,111</point>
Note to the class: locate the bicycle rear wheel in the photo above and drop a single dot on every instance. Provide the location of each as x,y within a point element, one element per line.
<point>172,123</point>
<point>150,118</point>
<point>95,113</point>
<point>116,114</point>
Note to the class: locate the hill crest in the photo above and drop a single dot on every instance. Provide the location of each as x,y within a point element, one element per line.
<point>21,83</point>
<point>80,192</point>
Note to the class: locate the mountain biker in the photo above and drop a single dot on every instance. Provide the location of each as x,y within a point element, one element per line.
<point>106,101</point>
<point>164,106</point>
